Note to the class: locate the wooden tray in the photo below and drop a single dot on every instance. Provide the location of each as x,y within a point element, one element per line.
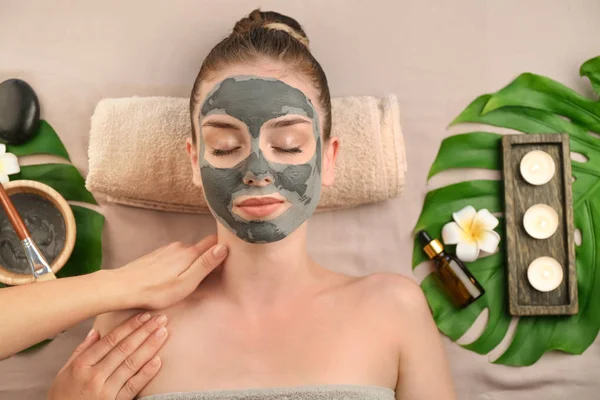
<point>522,249</point>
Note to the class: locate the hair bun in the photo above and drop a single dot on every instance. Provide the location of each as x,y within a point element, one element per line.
<point>271,20</point>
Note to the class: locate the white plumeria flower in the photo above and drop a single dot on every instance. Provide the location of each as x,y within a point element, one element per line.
<point>9,164</point>
<point>471,232</point>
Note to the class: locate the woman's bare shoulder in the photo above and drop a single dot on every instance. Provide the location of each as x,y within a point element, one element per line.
<point>392,302</point>
<point>394,292</point>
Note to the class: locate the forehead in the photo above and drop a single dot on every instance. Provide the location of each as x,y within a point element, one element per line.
<point>255,97</point>
<point>265,69</point>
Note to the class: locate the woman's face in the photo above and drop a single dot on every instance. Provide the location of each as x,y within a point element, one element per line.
<point>259,154</point>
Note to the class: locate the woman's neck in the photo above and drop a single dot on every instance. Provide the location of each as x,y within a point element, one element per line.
<point>261,276</point>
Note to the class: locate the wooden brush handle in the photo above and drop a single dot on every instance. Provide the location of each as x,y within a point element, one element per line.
<point>13,215</point>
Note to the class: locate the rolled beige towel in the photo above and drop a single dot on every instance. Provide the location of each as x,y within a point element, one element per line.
<point>137,153</point>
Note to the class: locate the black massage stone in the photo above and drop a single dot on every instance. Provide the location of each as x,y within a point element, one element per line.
<point>19,112</point>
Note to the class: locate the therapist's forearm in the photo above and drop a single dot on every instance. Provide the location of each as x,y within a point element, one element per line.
<point>38,311</point>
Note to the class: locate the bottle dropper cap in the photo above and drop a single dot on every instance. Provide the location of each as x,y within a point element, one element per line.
<point>424,238</point>
<point>432,247</point>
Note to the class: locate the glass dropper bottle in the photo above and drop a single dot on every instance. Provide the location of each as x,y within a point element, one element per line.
<point>460,285</point>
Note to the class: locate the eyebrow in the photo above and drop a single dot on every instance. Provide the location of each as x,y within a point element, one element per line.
<point>220,124</point>
<point>286,122</point>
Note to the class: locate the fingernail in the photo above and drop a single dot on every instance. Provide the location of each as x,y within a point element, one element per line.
<point>161,320</point>
<point>91,333</point>
<point>161,332</point>
<point>219,250</point>
<point>144,317</point>
<point>155,361</point>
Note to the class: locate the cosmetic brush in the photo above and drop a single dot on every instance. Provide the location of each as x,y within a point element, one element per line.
<point>39,266</point>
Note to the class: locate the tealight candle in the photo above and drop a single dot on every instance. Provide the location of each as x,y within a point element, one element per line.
<point>537,167</point>
<point>540,221</point>
<point>545,274</point>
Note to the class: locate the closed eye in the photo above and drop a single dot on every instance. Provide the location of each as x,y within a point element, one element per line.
<point>222,153</point>
<point>294,150</point>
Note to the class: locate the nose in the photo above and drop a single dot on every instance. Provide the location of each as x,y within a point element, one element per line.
<point>258,172</point>
<point>261,181</point>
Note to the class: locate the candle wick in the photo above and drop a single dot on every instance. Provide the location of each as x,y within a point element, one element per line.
<point>546,274</point>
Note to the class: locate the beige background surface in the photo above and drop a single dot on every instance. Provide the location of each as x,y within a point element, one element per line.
<point>436,56</point>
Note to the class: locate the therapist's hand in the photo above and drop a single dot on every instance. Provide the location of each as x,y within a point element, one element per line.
<point>169,274</point>
<point>116,367</point>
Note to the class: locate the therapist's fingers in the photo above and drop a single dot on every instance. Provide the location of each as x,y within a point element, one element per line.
<point>138,382</point>
<point>101,348</point>
<point>203,253</point>
<point>180,255</point>
<point>135,362</point>
<point>205,243</point>
<point>131,353</point>
<point>204,264</point>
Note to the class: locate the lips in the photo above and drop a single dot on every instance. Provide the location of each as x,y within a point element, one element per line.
<point>256,208</point>
<point>261,201</point>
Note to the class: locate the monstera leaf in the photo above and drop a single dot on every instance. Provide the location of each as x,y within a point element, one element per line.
<point>65,179</point>
<point>530,104</point>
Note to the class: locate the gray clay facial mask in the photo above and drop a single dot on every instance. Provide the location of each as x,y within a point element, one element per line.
<point>254,101</point>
